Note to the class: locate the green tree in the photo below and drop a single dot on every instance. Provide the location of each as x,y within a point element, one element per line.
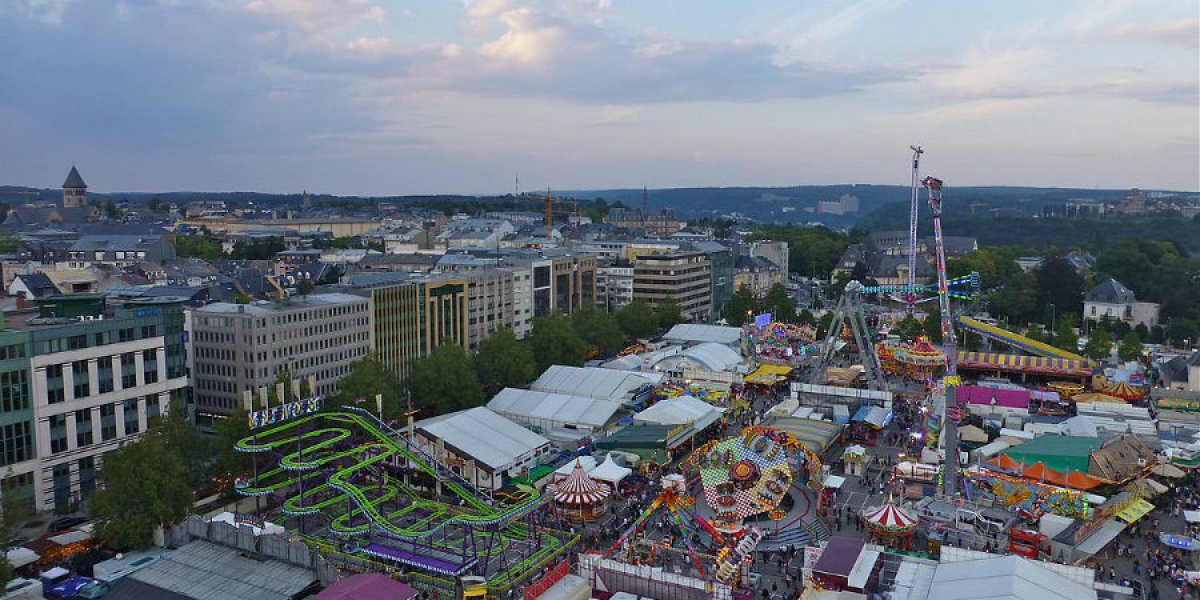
<point>1059,284</point>
<point>741,307</point>
<point>1016,298</point>
<point>143,485</point>
<point>598,329</point>
<point>780,304</point>
<point>444,381</point>
<point>1098,345</point>
<point>1037,333</point>
<point>304,286</point>
<point>555,342</point>
<point>1179,330</point>
<point>806,317</point>
<point>637,320</point>
<point>243,298</point>
<point>230,462</point>
<point>909,328</point>
<point>9,243</point>
<point>368,378</point>
<point>669,314</point>
<point>932,325</point>
<point>502,361</point>
<point>824,323</point>
<point>6,572</point>
<point>1065,337</point>
<point>201,245</point>
<point>1131,346</point>
<point>257,248</point>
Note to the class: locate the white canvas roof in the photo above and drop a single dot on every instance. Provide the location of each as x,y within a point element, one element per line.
<point>711,356</point>
<point>680,410</point>
<point>1004,578</point>
<point>587,462</point>
<point>465,430</point>
<point>694,332</point>
<point>19,557</point>
<point>590,382</point>
<point>610,471</point>
<point>552,409</point>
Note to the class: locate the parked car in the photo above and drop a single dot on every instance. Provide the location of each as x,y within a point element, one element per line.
<point>92,591</point>
<point>64,523</point>
<point>67,588</point>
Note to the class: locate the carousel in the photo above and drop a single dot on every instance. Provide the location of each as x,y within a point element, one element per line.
<point>580,497</point>
<point>1122,390</point>
<point>891,525</point>
<point>1066,389</point>
<point>780,343</point>
<point>919,360</point>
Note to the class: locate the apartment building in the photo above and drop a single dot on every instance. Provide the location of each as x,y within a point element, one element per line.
<point>245,347</point>
<point>684,277</point>
<point>78,378</point>
<point>614,286</point>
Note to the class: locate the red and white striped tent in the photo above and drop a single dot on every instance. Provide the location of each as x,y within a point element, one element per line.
<point>890,518</point>
<point>579,495</point>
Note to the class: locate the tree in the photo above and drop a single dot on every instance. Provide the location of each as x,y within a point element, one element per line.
<point>932,325</point>
<point>1131,346</point>
<point>1098,346</point>
<point>598,329</point>
<point>243,298</point>
<point>155,204</point>
<point>1017,298</point>
<point>230,462</point>
<point>741,307</point>
<point>257,248</point>
<point>806,317</point>
<point>1065,337</point>
<point>143,485</point>
<point>780,304</point>
<point>824,324</point>
<point>1059,284</point>
<point>637,320</point>
<point>1037,333</point>
<point>304,286</point>
<point>502,361</point>
<point>6,572</point>
<point>444,381</point>
<point>556,343</point>
<point>1179,330</point>
<point>669,314</point>
<point>909,328</point>
<point>368,378</point>
<point>201,245</point>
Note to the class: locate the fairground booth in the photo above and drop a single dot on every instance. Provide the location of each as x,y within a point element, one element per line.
<point>891,525</point>
<point>1028,369</point>
<point>867,423</point>
<point>579,497</point>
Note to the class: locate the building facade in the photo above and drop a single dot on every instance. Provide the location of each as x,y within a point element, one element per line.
<point>683,277</point>
<point>776,252</point>
<point>78,378</point>
<point>614,286</point>
<point>240,348</point>
<point>1113,300</point>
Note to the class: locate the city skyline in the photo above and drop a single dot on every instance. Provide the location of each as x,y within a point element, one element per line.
<point>381,98</point>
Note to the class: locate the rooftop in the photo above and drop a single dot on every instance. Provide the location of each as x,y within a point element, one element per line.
<point>503,443</point>
<point>267,307</point>
<point>203,570</point>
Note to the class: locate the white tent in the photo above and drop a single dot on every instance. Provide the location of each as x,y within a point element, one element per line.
<point>609,471</point>
<point>588,463</point>
<point>680,410</point>
<point>1004,578</point>
<point>19,557</point>
<point>550,410</point>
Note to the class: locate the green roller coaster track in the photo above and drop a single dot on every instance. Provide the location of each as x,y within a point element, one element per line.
<point>339,497</point>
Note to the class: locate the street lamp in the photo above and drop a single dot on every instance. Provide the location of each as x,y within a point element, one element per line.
<point>1053,318</point>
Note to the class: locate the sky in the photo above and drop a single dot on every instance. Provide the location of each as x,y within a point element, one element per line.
<point>388,97</point>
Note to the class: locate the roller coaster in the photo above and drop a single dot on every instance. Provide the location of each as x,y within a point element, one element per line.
<point>347,477</point>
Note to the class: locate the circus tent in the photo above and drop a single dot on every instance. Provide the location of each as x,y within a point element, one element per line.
<point>580,496</point>
<point>891,518</point>
<point>610,472</point>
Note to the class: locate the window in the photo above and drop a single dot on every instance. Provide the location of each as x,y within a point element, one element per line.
<point>131,416</point>
<point>14,391</point>
<point>77,342</point>
<point>87,476</point>
<point>58,433</point>
<point>79,369</point>
<point>83,428</point>
<point>108,422</point>
<point>16,443</point>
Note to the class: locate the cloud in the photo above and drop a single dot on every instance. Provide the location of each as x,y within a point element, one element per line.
<point>1184,33</point>
<point>47,12</point>
<point>319,16</point>
<point>547,50</point>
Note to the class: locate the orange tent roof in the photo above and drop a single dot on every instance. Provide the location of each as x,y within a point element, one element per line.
<point>1041,473</point>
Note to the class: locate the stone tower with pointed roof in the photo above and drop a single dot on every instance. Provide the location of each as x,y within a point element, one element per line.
<point>74,190</point>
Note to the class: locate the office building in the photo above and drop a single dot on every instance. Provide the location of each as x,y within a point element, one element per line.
<point>246,347</point>
<point>684,277</point>
<point>78,378</point>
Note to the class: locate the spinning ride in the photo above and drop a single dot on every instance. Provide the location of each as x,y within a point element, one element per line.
<point>779,343</point>
<point>891,525</point>
<point>580,497</point>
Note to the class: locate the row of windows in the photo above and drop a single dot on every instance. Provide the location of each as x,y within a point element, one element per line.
<point>16,443</point>
<point>84,436</point>
<point>14,391</point>
<point>101,338</point>
<point>12,351</point>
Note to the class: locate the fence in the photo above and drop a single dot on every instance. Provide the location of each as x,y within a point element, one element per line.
<point>552,577</point>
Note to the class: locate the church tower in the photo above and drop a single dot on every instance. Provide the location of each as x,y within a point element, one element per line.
<point>74,190</point>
